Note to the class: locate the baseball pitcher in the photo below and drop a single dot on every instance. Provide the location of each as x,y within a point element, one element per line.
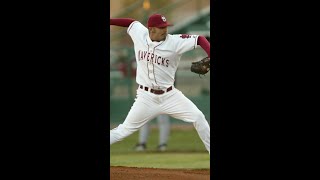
<point>157,57</point>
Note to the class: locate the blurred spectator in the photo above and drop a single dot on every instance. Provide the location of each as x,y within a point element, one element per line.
<point>123,67</point>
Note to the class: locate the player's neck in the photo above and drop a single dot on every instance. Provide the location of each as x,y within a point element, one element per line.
<point>155,39</point>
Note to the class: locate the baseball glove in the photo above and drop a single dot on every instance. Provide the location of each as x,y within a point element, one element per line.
<point>201,67</point>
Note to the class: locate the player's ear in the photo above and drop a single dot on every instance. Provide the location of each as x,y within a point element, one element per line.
<point>152,29</point>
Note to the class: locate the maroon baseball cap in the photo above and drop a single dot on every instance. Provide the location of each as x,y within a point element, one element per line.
<point>158,20</point>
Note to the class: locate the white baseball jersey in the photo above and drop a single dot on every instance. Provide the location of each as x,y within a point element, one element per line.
<point>157,62</point>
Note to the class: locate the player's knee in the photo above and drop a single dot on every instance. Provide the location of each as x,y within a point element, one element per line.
<point>201,123</point>
<point>199,116</point>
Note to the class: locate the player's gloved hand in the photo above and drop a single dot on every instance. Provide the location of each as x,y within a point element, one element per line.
<point>201,67</point>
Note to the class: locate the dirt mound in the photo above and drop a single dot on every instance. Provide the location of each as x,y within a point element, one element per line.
<point>131,173</point>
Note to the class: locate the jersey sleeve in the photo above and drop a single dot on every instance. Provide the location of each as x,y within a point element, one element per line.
<point>185,42</point>
<point>136,30</point>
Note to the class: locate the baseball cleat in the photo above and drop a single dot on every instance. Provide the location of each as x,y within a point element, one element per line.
<point>141,147</point>
<point>162,147</point>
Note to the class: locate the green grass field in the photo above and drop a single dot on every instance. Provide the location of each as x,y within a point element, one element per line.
<point>185,151</point>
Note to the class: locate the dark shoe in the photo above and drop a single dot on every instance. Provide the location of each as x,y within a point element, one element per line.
<point>141,147</point>
<point>162,147</point>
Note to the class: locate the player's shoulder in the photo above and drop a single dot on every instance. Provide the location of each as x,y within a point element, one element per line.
<point>182,36</point>
<point>137,23</point>
<point>136,26</point>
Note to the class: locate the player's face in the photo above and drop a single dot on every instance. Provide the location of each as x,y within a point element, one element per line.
<point>159,34</point>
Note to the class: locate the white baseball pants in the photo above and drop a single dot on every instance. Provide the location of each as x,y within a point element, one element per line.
<point>147,106</point>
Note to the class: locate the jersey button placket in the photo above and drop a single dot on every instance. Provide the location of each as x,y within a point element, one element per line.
<point>150,69</point>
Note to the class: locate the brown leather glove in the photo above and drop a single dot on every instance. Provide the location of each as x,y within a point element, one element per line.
<point>201,67</point>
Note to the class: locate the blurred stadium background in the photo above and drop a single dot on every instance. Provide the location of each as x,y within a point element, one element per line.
<point>188,17</point>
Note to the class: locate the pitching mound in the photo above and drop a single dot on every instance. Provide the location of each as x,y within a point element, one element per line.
<point>131,173</point>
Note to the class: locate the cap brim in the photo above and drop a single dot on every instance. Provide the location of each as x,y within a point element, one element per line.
<point>166,25</point>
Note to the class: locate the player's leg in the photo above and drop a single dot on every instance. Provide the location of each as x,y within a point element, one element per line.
<point>164,131</point>
<point>180,107</point>
<point>143,137</point>
<point>143,110</point>
<point>144,133</point>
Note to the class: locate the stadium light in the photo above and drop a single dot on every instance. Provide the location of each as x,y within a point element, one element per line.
<point>146,4</point>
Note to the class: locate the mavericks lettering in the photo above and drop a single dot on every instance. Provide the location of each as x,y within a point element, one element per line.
<point>154,58</point>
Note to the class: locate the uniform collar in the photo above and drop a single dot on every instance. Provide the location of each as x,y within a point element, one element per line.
<point>155,42</point>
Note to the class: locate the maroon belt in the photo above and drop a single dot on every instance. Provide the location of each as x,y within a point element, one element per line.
<point>154,91</point>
